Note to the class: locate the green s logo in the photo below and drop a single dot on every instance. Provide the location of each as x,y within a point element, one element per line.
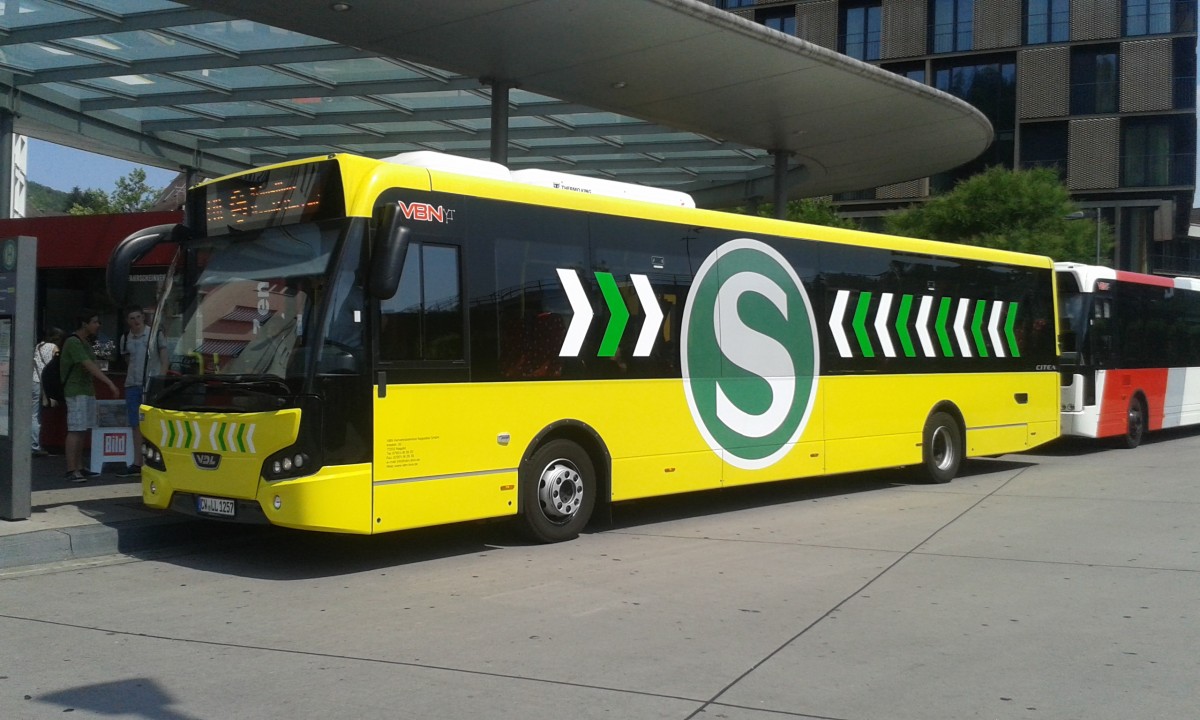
<point>749,354</point>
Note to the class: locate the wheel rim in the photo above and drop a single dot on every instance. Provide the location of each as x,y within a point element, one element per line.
<point>1135,421</point>
<point>941,449</point>
<point>560,490</point>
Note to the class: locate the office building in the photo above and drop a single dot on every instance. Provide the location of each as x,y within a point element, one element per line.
<point>1103,91</point>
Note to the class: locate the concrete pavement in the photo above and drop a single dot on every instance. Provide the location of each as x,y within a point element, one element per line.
<point>1061,584</point>
<point>103,516</point>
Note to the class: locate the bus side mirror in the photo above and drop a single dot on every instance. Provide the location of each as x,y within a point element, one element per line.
<point>387,254</point>
<point>134,248</point>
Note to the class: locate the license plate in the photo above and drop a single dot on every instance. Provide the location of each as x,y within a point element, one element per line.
<point>223,507</point>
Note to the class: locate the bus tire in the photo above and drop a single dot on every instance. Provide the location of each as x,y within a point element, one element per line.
<point>941,448</point>
<point>558,491</point>
<point>1135,422</point>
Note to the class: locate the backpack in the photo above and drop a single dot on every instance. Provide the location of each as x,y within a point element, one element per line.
<point>52,380</point>
<point>52,384</point>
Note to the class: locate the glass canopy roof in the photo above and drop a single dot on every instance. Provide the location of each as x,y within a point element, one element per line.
<point>168,84</point>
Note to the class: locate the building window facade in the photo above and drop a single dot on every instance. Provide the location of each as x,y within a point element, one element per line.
<point>1044,145</point>
<point>951,25</point>
<point>862,27</point>
<point>782,19</point>
<point>992,88</point>
<point>734,4</point>
<point>1147,17</point>
<point>1047,21</point>
<point>1158,151</point>
<point>1095,79</point>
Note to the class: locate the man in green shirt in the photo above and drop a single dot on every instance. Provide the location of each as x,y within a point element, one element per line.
<point>78,369</point>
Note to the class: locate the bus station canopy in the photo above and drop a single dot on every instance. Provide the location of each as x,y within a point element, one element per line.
<point>668,93</point>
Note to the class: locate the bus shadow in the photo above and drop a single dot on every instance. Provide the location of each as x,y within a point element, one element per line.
<point>629,515</point>
<point>283,554</point>
<point>280,554</point>
<point>1067,446</point>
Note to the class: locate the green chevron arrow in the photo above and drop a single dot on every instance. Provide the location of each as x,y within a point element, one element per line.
<point>171,434</point>
<point>977,327</point>
<point>241,438</point>
<point>940,327</point>
<point>860,325</point>
<point>1009,322</point>
<point>187,434</point>
<point>618,314</point>
<point>902,326</point>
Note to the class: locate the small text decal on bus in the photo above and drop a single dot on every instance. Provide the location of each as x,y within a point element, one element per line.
<point>424,212</point>
<point>749,354</point>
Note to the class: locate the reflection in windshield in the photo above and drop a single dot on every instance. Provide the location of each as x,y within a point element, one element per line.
<point>249,305</point>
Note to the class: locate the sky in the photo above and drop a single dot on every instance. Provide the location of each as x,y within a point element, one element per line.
<point>64,168</point>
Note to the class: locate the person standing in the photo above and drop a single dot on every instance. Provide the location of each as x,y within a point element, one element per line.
<point>42,354</point>
<point>78,370</point>
<point>134,348</point>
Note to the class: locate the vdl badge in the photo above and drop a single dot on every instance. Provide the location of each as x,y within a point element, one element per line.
<point>206,460</point>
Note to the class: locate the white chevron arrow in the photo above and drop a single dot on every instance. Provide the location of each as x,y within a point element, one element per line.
<point>923,325</point>
<point>994,328</point>
<point>881,316</point>
<point>960,326</point>
<point>836,326</point>
<point>582,311</point>
<point>653,313</point>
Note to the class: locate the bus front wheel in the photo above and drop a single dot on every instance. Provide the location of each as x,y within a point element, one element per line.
<point>558,491</point>
<point>941,448</point>
<point>1135,422</point>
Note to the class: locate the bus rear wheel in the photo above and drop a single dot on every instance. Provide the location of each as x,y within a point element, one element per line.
<point>558,491</point>
<point>1135,422</point>
<point>941,448</point>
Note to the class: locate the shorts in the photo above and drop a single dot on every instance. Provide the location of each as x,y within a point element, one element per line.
<point>81,413</point>
<point>133,402</point>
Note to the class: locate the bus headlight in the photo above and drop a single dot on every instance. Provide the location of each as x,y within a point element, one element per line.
<point>152,456</point>
<point>287,463</point>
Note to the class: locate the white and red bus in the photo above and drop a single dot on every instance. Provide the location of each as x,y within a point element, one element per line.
<point>1131,346</point>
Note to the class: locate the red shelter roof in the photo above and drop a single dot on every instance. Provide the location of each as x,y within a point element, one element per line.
<point>86,241</point>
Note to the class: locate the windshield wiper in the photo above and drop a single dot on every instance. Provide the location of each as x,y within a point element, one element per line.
<point>177,387</point>
<point>268,386</point>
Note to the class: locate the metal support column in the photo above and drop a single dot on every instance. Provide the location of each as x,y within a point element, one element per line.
<point>6,163</point>
<point>781,167</point>
<point>500,121</point>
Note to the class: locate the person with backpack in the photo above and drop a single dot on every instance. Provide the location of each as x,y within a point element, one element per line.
<point>45,351</point>
<point>78,370</point>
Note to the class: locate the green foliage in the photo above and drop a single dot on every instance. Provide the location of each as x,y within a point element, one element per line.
<point>814,211</point>
<point>131,194</point>
<point>41,201</point>
<point>1022,210</point>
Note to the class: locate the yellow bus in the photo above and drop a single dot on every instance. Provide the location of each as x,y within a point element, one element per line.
<point>355,345</point>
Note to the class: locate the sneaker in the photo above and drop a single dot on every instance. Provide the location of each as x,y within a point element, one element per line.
<point>88,473</point>
<point>130,471</point>
<point>76,476</point>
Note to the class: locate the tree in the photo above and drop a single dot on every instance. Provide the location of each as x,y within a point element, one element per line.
<point>814,211</point>
<point>1023,210</point>
<point>131,194</point>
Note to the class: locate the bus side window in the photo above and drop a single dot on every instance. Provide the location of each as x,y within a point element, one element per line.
<point>1101,332</point>
<point>423,320</point>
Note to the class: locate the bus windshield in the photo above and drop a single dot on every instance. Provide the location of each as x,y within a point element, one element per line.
<point>244,303</point>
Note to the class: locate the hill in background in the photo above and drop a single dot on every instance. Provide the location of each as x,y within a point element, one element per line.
<point>43,201</point>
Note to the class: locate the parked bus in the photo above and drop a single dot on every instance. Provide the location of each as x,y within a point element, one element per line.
<point>1134,346</point>
<point>361,346</point>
